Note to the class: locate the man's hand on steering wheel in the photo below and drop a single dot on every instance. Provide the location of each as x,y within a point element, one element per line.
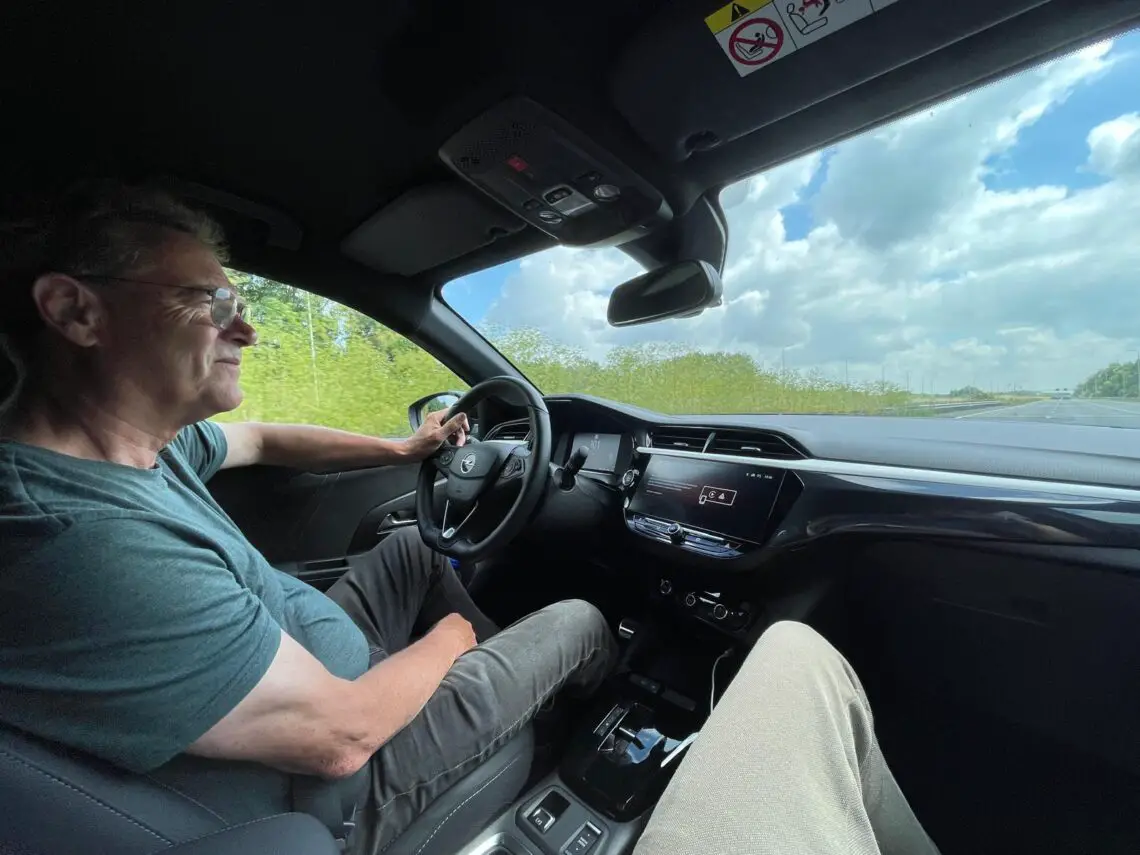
<point>434,432</point>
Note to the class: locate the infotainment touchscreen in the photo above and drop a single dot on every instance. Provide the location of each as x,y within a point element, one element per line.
<point>720,497</point>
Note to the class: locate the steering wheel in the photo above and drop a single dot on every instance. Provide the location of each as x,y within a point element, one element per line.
<point>475,472</point>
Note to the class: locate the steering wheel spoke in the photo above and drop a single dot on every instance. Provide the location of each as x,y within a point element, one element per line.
<point>449,529</point>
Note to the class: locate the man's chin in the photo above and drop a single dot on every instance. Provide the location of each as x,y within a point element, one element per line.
<point>224,400</point>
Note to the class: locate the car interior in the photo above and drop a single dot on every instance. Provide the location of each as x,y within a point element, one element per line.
<point>982,578</point>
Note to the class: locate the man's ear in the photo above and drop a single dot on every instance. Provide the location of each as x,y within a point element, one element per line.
<point>69,307</point>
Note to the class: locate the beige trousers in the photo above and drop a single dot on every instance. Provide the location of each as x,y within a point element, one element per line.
<point>788,763</point>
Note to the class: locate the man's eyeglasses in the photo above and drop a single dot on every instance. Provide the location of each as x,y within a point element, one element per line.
<point>225,304</point>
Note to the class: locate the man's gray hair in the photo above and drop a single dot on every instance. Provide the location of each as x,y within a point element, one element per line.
<point>96,229</point>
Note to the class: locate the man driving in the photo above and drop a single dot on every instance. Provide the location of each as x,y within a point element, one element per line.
<point>138,624</point>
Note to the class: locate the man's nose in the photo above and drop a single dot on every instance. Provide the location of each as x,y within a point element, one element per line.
<point>241,332</point>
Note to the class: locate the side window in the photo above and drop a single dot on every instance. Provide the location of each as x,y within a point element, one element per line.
<point>318,362</point>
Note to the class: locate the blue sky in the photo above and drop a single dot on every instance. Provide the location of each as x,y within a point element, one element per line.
<point>962,184</point>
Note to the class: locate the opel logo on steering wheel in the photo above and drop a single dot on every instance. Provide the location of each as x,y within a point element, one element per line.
<point>467,463</point>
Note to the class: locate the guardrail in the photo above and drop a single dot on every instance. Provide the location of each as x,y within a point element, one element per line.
<point>949,407</point>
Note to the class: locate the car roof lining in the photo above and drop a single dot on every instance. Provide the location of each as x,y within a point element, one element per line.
<point>308,123</point>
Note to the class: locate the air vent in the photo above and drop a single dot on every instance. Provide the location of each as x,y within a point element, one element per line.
<point>518,431</point>
<point>680,438</point>
<point>749,443</point>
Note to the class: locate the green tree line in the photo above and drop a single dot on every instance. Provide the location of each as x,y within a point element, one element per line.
<point>1118,380</point>
<point>318,362</point>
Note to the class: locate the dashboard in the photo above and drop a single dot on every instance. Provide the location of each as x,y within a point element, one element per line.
<point>718,501</point>
<point>732,492</point>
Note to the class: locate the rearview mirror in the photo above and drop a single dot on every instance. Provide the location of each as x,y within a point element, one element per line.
<point>429,404</point>
<point>674,291</point>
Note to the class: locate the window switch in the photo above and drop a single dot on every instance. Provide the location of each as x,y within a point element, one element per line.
<point>541,819</point>
<point>583,841</point>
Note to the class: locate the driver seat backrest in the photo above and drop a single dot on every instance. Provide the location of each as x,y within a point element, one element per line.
<point>56,801</point>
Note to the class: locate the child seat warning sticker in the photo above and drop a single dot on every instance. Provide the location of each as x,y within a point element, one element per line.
<point>755,33</point>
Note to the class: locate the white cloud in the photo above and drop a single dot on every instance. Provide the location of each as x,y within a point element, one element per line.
<point>914,265</point>
<point>1114,147</point>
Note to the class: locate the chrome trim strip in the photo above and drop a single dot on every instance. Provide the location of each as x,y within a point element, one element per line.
<point>908,473</point>
<point>497,429</point>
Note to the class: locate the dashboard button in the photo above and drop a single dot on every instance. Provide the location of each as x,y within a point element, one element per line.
<point>690,599</point>
<point>720,611</point>
<point>666,587</point>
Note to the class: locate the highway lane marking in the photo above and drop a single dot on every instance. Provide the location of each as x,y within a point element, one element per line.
<point>993,410</point>
<point>1134,411</point>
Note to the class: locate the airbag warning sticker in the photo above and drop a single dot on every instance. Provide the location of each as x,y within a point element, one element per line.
<point>756,33</point>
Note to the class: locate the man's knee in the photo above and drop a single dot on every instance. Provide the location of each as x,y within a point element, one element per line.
<point>406,548</point>
<point>407,537</point>
<point>793,648</point>
<point>576,616</point>
<point>793,653</point>
<point>791,640</point>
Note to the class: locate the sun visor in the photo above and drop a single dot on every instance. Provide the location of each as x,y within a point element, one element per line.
<point>696,77</point>
<point>426,227</point>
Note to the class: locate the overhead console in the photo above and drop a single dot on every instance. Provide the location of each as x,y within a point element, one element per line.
<point>552,176</point>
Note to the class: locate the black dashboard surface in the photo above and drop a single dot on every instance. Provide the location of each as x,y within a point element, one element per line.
<point>955,480</point>
<point>1068,453</point>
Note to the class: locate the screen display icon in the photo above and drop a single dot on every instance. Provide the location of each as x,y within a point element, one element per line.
<point>717,496</point>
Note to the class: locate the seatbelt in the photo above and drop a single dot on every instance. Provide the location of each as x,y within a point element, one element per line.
<point>333,803</point>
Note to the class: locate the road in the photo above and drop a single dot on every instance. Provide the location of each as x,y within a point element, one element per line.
<point>1122,414</point>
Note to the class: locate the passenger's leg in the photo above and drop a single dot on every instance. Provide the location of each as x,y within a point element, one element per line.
<point>788,763</point>
<point>401,589</point>
<point>488,696</point>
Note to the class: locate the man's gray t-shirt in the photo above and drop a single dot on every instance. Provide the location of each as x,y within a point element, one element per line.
<point>133,612</point>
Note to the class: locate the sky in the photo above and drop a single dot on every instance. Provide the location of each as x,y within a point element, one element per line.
<point>991,241</point>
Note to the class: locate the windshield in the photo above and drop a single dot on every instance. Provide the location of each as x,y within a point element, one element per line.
<point>980,259</point>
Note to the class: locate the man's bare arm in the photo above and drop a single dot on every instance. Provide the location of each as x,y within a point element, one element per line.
<point>319,448</point>
<point>301,719</point>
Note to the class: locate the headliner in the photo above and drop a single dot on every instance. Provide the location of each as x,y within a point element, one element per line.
<point>327,111</point>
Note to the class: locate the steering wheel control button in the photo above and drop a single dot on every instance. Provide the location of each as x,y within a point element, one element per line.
<point>447,457</point>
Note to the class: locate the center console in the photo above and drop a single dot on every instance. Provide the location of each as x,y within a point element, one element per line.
<point>711,509</point>
<point>615,769</point>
